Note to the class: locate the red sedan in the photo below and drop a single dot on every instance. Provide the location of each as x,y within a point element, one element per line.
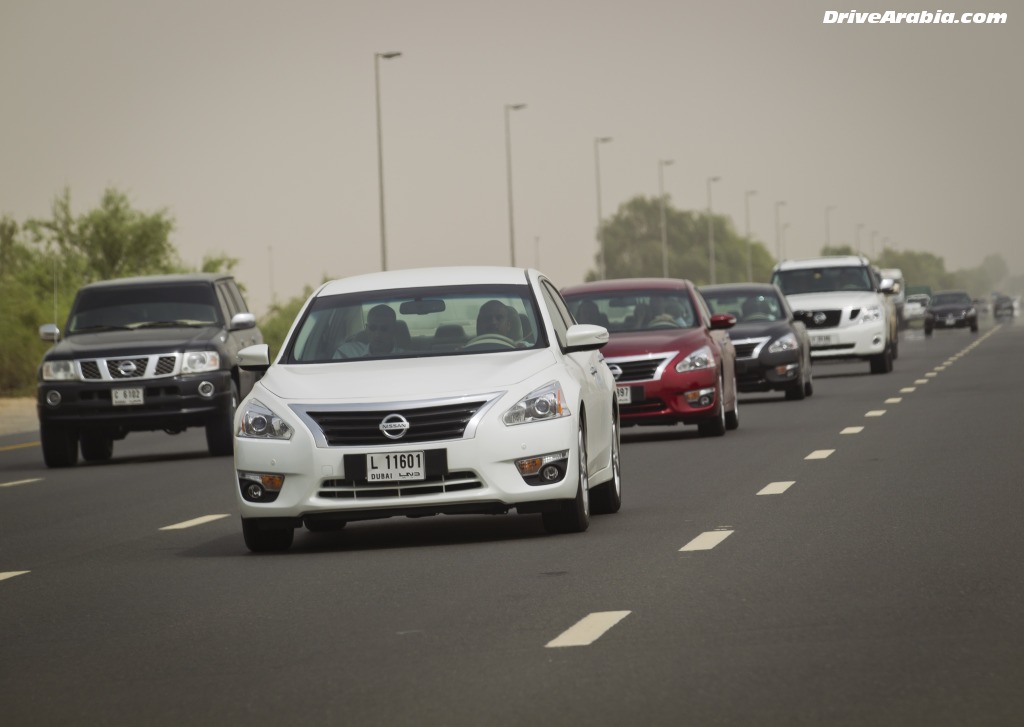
<point>673,361</point>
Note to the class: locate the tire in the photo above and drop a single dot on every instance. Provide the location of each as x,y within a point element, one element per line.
<point>325,526</point>
<point>927,330</point>
<point>266,539</point>
<point>59,444</point>
<point>732,418</point>
<point>715,427</point>
<point>220,430</point>
<point>796,391</point>
<point>606,498</point>
<point>96,446</point>
<point>574,515</point>
<point>809,384</point>
<point>882,363</point>
<point>974,328</point>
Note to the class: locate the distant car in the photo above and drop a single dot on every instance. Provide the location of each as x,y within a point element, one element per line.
<point>1002,306</point>
<point>773,351</point>
<point>464,390</point>
<point>914,308</point>
<point>673,360</point>
<point>950,309</point>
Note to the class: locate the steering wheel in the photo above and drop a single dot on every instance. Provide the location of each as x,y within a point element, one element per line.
<point>489,341</point>
<point>663,324</point>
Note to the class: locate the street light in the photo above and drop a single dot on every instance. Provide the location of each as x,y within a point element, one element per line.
<point>828,225</point>
<point>746,211</point>
<point>778,233</point>
<point>603,264</point>
<point>508,159</point>
<point>711,231</point>
<point>662,163</point>
<point>380,156</point>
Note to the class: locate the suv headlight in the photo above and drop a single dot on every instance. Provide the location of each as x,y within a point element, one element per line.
<point>196,362</point>
<point>59,371</point>
<point>785,343</point>
<point>702,358</point>
<point>259,422</point>
<point>547,402</point>
<point>871,314</point>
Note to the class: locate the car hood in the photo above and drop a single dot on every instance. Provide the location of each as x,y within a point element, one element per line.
<point>683,340</point>
<point>833,300</point>
<point>759,329</point>
<point>942,310</point>
<point>405,379</point>
<point>140,341</point>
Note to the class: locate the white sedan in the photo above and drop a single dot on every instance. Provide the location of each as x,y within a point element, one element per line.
<point>463,390</point>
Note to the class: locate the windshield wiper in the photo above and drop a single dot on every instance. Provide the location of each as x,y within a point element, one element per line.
<point>93,329</point>
<point>181,323</point>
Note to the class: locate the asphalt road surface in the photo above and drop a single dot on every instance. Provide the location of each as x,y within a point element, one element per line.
<point>850,559</point>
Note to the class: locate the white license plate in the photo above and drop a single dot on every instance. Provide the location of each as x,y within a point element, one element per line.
<point>822,340</point>
<point>951,321</point>
<point>126,397</point>
<point>624,394</point>
<point>394,467</point>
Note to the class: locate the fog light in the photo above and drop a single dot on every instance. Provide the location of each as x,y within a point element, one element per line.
<point>543,469</point>
<point>550,473</point>
<point>700,397</point>
<point>253,491</point>
<point>53,398</point>
<point>789,370</point>
<point>876,340</point>
<point>206,389</point>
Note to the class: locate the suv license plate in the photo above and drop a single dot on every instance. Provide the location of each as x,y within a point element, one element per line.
<point>822,340</point>
<point>394,467</point>
<point>126,397</point>
<point>624,394</point>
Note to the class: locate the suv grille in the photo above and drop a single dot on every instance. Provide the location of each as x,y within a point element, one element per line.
<point>133,367</point>
<point>832,318</point>
<point>426,424</point>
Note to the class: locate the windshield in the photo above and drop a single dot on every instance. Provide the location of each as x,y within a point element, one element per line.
<point>951,299</point>
<point>423,322</point>
<point>131,307</point>
<point>823,280</point>
<point>746,306</point>
<point>634,310</point>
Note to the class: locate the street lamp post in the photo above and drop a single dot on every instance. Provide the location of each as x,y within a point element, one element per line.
<point>601,256</point>
<point>746,214</point>
<point>828,225</point>
<point>508,160</point>
<point>380,156</point>
<point>662,163</point>
<point>778,230</point>
<point>711,231</point>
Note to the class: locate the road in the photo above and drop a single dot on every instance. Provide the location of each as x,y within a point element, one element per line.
<point>851,559</point>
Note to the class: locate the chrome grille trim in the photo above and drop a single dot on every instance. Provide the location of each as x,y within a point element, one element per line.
<point>749,347</point>
<point>148,366</point>
<point>646,367</point>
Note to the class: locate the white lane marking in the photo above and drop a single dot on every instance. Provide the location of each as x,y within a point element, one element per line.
<point>931,375</point>
<point>587,630</point>
<point>706,541</point>
<point>20,482</point>
<point>908,390</point>
<point>776,488</point>
<point>940,368</point>
<point>875,413</point>
<point>893,400</point>
<point>820,454</point>
<point>12,574</point>
<point>852,430</point>
<point>921,381</point>
<point>192,523</point>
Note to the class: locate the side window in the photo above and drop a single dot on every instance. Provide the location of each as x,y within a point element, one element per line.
<point>702,306</point>
<point>560,316</point>
<point>226,304</point>
<point>235,294</point>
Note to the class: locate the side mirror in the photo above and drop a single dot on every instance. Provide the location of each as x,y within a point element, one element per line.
<point>49,332</point>
<point>254,358</point>
<point>585,337</point>
<point>242,321</point>
<point>888,286</point>
<point>722,321</point>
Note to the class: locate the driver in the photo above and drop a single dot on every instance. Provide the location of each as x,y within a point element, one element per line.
<point>380,328</point>
<point>494,318</point>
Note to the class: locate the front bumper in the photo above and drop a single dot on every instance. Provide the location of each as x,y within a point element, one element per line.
<point>664,401</point>
<point>859,340</point>
<point>768,372</point>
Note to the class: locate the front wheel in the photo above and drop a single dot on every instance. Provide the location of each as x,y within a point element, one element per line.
<point>97,446</point>
<point>607,498</point>
<point>574,515</point>
<point>60,445</point>
<point>220,430</point>
<point>266,539</point>
<point>715,426</point>
<point>882,363</point>
<point>732,418</point>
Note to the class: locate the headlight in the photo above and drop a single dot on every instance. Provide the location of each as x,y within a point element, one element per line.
<point>702,358</point>
<point>196,362</point>
<point>785,343</point>
<point>971,312</point>
<point>547,402</point>
<point>871,314</point>
<point>259,422</point>
<point>59,371</point>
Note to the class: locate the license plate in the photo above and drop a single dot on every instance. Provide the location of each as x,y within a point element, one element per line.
<point>126,397</point>
<point>394,467</point>
<point>624,394</point>
<point>822,340</point>
<point>951,321</point>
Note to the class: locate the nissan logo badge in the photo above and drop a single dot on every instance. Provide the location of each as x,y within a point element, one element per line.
<point>394,426</point>
<point>126,368</point>
<point>819,318</point>
<point>616,371</point>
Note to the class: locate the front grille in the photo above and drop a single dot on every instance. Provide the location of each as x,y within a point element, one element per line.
<point>145,367</point>
<point>350,489</point>
<point>637,369</point>
<point>832,318</point>
<point>165,365</point>
<point>749,347</point>
<point>91,370</point>
<point>135,368</point>
<point>348,428</point>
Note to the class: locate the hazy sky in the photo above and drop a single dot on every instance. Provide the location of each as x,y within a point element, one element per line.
<point>253,124</point>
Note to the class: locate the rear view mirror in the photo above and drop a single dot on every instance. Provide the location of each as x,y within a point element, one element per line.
<point>422,306</point>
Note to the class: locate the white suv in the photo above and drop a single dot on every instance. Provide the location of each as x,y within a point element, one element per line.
<point>847,307</point>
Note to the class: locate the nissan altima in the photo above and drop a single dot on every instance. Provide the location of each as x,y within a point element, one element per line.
<point>673,360</point>
<point>463,390</point>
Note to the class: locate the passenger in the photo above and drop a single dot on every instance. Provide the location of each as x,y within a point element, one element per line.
<point>381,325</point>
<point>494,318</point>
<point>589,313</point>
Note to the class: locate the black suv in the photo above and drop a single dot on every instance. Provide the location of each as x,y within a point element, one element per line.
<point>144,354</point>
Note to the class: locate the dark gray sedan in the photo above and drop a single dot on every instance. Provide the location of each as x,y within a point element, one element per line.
<point>773,352</point>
